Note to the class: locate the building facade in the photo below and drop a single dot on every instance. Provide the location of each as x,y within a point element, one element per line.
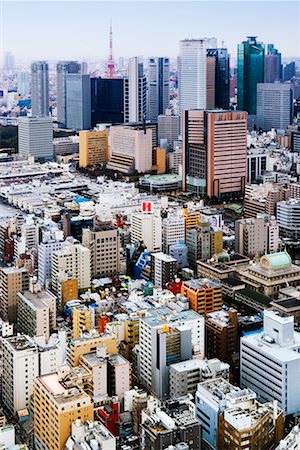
<point>251,71</point>
<point>192,74</point>
<point>40,88</point>
<point>93,148</point>
<point>274,106</point>
<point>104,245</point>
<point>107,100</point>
<point>135,92</point>
<point>214,152</point>
<point>35,137</point>
<point>62,69</point>
<point>270,361</point>
<point>78,101</point>
<point>158,87</point>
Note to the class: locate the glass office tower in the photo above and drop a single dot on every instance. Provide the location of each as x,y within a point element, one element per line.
<point>222,74</point>
<point>251,70</point>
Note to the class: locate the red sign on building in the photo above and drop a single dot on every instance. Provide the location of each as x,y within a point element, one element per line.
<point>147,207</point>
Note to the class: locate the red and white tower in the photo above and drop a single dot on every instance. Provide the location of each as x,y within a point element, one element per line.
<point>110,62</point>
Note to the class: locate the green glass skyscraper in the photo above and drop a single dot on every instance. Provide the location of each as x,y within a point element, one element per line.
<point>251,70</point>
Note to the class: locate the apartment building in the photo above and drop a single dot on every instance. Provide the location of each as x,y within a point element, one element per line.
<point>36,313</point>
<point>204,295</point>
<point>73,259</point>
<point>57,405</point>
<point>104,244</point>
<point>233,418</point>
<point>12,281</point>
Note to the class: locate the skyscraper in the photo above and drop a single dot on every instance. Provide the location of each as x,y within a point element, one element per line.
<point>135,104</point>
<point>210,82</point>
<point>23,83</point>
<point>78,101</point>
<point>107,100</point>
<point>192,74</point>
<point>35,137</point>
<point>62,68</point>
<point>8,61</point>
<point>214,152</point>
<point>39,88</point>
<point>273,65</point>
<point>251,70</point>
<point>159,91</point>
<point>289,71</point>
<point>274,106</point>
<point>222,76</point>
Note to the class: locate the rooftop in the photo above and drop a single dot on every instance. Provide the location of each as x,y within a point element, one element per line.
<point>201,283</point>
<point>20,343</point>
<point>276,260</point>
<point>222,317</point>
<point>60,392</point>
<point>287,303</point>
<point>37,298</point>
<point>254,295</point>
<point>163,257</point>
<point>160,316</point>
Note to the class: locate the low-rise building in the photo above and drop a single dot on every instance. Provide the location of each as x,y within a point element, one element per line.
<point>174,426</point>
<point>203,295</point>
<point>185,376</point>
<point>88,344</point>
<point>233,418</point>
<point>222,266</point>
<point>89,435</point>
<point>291,441</point>
<point>273,272</point>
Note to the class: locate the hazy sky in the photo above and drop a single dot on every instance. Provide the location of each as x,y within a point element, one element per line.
<point>79,29</point>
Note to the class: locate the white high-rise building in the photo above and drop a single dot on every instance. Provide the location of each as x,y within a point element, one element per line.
<point>147,228</point>
<point>162,334</point>
<point>164,269</point>
<point>35,137</point>
<point>192,74</point>
<point>270,361</point>
<point>27,241</point>
<point>52,240</point>
<point>22,363</point>
<point>20,368</point>
<point>135,99</point>
<point>73,259</point>
<point>173,230</point>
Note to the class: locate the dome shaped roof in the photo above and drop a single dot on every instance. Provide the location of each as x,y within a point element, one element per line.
<point>276,261</point>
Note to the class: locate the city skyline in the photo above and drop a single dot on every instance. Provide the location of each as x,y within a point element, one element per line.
<point>80,30</point>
